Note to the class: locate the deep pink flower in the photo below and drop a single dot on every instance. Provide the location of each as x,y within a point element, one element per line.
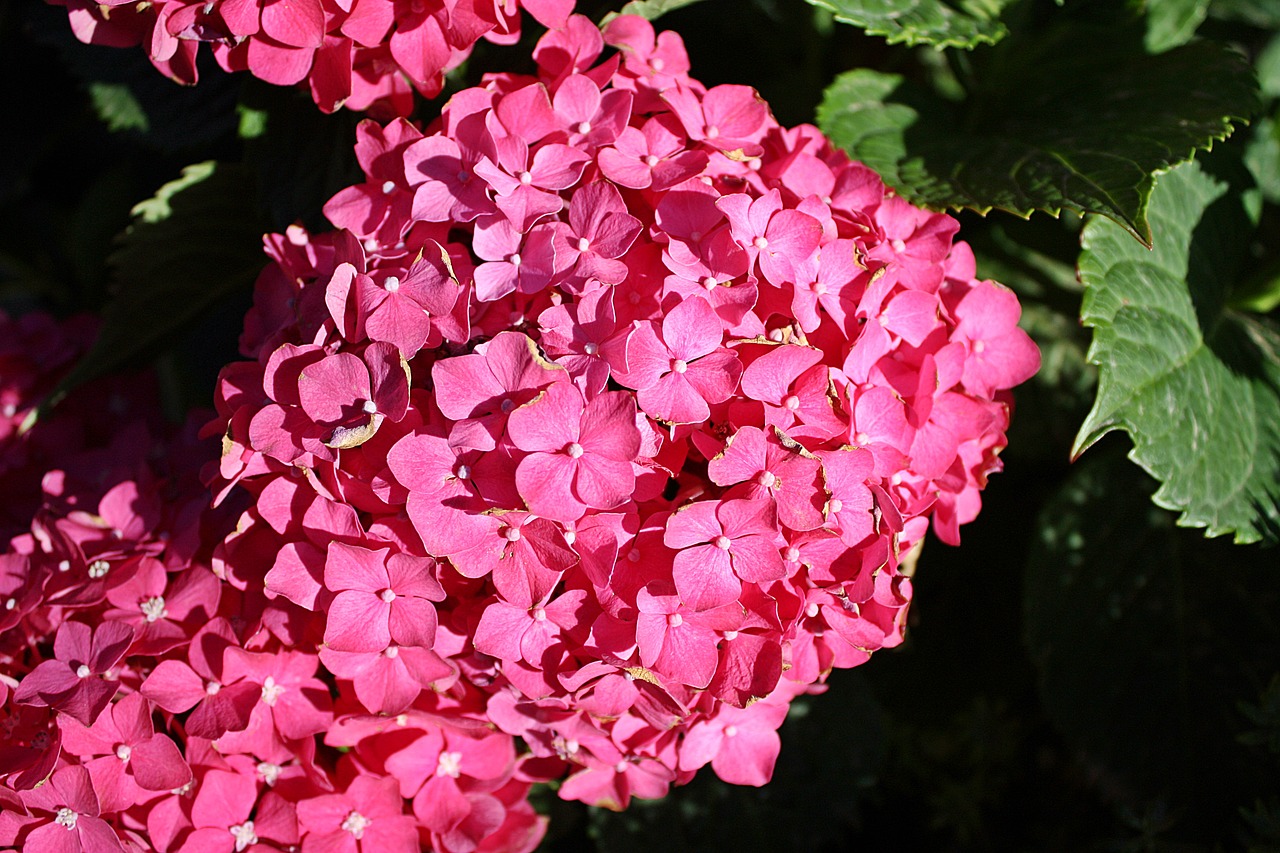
<point>679,366</point>
<point>72,681</point>
<point>723,543</point>
<point>380,600</point>
<point>580,454</point>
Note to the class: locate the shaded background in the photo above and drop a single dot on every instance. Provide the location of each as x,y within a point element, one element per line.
<point>1079,675</point>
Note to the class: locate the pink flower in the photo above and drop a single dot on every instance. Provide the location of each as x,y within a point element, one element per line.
<point>580,454</point>
<point>380,600</point>
<point>679,367</point>
<point>72,681</point>
<point>367,816</point>
<point>722,543</point>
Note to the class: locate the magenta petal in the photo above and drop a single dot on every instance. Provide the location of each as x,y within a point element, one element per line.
<point>299,23</point>
<point>413,622</point>
<point>174,686</point>
<point>604,483</point>
<point>358,622</point>
<point>544,481</point>
<point>548,422</point>
<point>228,710</point>
<point>353,567</point>
<point>500,629</point>
<point>692,329</point>
<point>715,376</point>
<point>158,765</point>
<point>704,577</point>
<point>674,399</point>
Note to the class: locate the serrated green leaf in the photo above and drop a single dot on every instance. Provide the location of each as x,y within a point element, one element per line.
<point>962,23</point>
<point>117,107</point>
<point>197,240</point>
<point>1194,383</point>
<point>1076,117</point>
<point>1173,22</point>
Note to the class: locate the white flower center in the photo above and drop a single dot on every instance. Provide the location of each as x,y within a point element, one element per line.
<point>512,534</point>
<point>584,127</point>
<point>679,366</point>
<point>450,765</point>
<point>591,348</point>
<point>792,555</point>
<point>387,187</point>
<point>387,595</point>
<point>99,569</point>
<point>651,161</point>
<point>153,608</point>
<point>574,450</point>
<point>811,610</point>
<point>731,635</point>
<point>462,472</point>
<point>657,63</point>
<point>212,688</point>
<point>244,834</point>
<point>515,260</point>
<point>898,245</point>
<point>713,132</point>
<point>392,652</point>
<point>835,505</point>
<point>979,346</point>
<point>269,772</point>
<point>730,731</point>
<point>724,543</point>
<point>583,244</point>
<point>356,823</point>
<point>10,604</point>
<point>392,284</point>
<point>675,620</point>
<point>792,402</point>
<point>369,407</point>
<point>123,751</point>
<point>83,671</point>
<point>760,243</point>
<point>525,178</point>
<point>64,565</point>
<point>709,283</point>
<point>767,479</point>
<point>66,817</point>
<point>271,691</point>
<point>539,614</point>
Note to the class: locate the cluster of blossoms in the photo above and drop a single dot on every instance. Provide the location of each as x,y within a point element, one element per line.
<point>615,401</point>
<point>146,704</point>
<point>602,422</point>
<point>364,54</point>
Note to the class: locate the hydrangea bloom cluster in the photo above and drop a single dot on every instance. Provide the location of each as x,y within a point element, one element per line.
<point>365,54</point>
<point>602,421</point>
<point>146,704</point>
<point>615,401</point>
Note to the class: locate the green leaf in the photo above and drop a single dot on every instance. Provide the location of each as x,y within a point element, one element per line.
<point>197,240</point>
<point>1268,68</point>
<point>1194,383</point>
<point>648,9</point>
<point>1074,117</point>
<point>117,107</point>
<point>1173,22</point>
<point>1137,669</point>
<point>960,23</point>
